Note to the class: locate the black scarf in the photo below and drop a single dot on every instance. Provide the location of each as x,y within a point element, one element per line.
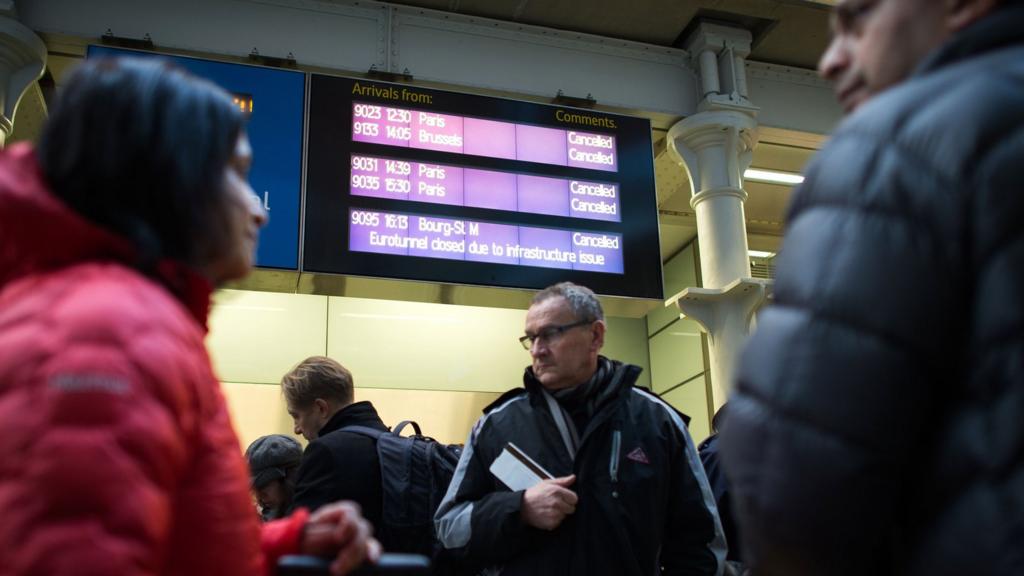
<point>582,401</point>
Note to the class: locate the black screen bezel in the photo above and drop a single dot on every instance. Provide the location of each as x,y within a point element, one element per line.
<point>328,171</point>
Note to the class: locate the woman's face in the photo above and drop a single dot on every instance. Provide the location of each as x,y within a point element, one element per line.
<point>244,215</point>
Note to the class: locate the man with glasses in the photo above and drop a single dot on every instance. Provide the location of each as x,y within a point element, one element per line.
<point>625,491</point>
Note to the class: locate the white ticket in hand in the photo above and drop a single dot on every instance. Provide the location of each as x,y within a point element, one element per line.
<point>517,470</point>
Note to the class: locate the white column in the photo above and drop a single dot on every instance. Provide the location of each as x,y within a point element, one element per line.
<point>715,147</point>
<point>709,73</point>
<point>741,75</point>
<point>712,146</point>
<point>22,61</point>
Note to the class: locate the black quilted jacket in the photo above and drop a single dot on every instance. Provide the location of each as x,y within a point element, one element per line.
<point>878,421</point>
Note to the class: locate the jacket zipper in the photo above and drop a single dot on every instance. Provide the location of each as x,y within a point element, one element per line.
<point>613,464</point>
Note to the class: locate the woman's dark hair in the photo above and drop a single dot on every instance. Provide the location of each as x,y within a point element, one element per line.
<point>139,146</point>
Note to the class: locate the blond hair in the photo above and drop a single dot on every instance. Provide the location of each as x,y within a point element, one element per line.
<point>318,377</point>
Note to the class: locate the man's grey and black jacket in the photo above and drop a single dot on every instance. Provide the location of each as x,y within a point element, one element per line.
<point>643,502</point>
<point>342,465</point>
<point>878,421</point>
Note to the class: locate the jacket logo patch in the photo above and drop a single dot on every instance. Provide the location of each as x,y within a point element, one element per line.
<point>638,455</point>
<point>89,383</point>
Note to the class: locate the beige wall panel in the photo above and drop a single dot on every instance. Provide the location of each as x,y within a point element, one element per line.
<point>676,355</point>
<point>257,410</point>
<point>661,317</point>
<point>626,341</point>
<point>444,416</point>
<point>390,344</point>
<point>413,345</point>
<point>692,399</point>
<point>258,336</point>
<point>680,272</point>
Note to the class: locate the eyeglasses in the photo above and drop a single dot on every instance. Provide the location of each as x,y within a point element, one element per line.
<point>550,334</point>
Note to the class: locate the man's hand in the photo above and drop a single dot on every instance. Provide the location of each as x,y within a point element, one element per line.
<point>339,529</point>
<point>547,503</point>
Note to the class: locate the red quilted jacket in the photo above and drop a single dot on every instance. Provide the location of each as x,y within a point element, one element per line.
<point>116,452</point>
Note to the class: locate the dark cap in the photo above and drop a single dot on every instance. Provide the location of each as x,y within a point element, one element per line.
<point>271,456</point>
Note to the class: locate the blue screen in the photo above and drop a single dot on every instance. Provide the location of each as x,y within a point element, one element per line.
<point>275,131</point>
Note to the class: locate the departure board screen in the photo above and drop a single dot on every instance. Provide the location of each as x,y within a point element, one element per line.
<point>412,183</point>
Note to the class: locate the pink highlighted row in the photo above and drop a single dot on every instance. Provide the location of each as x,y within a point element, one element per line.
<point>377,124</point>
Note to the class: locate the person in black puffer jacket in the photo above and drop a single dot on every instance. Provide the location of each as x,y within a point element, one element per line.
<point>877,425</point>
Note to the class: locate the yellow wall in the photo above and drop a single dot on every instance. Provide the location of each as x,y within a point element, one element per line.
<point>676,349</point>
<point>256,337</point>
<point>438,364</point>
<point>258,409</point>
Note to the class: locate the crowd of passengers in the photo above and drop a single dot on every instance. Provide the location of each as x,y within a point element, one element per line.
<point>875,425</point>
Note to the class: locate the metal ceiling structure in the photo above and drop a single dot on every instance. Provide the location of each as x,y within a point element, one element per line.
<point>786,32</point>
<point>790,33</point>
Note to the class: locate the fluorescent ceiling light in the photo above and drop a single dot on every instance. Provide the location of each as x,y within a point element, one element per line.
<point>773,176</point>
<point>760,254</point>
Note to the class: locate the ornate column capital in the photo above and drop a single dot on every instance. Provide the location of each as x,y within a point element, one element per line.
<point>714,147</point>
<point>712,128</point>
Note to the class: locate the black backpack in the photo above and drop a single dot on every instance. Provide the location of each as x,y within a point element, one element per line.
<point>415,472</point>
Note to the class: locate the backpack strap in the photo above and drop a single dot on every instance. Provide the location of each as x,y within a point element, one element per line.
<point>401,425</point>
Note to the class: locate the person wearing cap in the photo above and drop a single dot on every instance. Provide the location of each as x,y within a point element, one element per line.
<point>273,463</point>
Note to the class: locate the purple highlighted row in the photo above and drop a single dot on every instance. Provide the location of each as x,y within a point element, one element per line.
<point>429,237</point>
<point>378,124</point>
<point>441,184</point>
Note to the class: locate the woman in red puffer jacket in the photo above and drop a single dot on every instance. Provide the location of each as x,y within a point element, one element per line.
<point>118,453</point>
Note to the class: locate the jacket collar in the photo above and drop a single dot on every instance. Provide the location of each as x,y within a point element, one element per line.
<point>613,367</point>
<point>356,414</point>
<point>39,233</point>
<point>1001,29</point>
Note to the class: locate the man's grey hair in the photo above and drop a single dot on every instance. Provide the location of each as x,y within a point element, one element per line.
<point>582,301</point>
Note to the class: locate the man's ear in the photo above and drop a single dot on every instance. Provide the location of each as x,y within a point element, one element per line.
<point>599,328</point>
<point>962,13</point>
<point>322,407</point>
